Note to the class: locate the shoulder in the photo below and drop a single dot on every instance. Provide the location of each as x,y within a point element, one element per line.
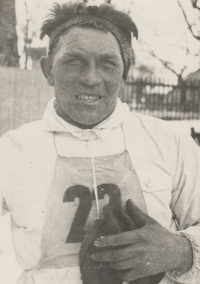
<point>149,121</point>
<point>23,135</point>
<point>29,137</point>
<point>27,144</point>
<point>160,129</point>
<point>158,138</point>
<point>153,127</point>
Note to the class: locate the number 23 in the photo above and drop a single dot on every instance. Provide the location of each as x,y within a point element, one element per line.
<point>85,196</point>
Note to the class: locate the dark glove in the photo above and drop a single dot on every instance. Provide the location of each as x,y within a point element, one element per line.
<point>92,272</point>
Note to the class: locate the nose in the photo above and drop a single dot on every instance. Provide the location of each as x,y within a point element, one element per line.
<point>90,76</point>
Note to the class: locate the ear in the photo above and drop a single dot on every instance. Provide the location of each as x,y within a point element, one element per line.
<point>46,70</point>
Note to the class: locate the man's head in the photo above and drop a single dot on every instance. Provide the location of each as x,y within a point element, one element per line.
<point>88,60</point>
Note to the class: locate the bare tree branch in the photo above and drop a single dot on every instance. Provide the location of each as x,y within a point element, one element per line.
<point>194,4</point>
<point>185,66</point>
<point>165,63</point>
<point>190,26</point>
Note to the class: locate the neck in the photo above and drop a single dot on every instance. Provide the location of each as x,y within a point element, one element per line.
<point>77,124</point>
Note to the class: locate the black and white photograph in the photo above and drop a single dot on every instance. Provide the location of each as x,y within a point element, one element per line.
<point>100,142</point>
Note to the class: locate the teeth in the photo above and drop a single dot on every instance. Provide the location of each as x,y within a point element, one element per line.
<point>89,98</point>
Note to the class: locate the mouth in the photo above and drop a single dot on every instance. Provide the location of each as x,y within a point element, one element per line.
<point>89,98</point>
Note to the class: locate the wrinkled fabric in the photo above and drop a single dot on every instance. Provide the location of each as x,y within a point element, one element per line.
<point>167,166</point>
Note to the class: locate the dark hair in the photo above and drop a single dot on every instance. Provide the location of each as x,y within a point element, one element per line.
<point>64,16</point>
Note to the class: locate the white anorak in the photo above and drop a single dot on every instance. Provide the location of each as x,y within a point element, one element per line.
<point>52,174</point>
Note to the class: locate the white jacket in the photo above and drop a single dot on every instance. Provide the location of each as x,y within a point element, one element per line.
<point>166,164</point>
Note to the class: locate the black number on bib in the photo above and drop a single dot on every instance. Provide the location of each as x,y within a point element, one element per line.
<point>112,190</point>
<point>77,233</point>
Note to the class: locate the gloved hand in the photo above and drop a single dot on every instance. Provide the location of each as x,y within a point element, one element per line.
<point>147,251</point>
<point>93,272</point>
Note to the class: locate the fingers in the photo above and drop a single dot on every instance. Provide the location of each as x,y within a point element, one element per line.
<point>123,264</point>
<point>112,255</point>
<point>138,215</point>
<point>120,239</point>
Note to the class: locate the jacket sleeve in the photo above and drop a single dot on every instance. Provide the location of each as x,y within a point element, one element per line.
<point>9,153</point>
<point>2,174</point>
<point>185,203</point>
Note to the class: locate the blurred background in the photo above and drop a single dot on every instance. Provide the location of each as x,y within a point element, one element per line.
<point>164,79</point>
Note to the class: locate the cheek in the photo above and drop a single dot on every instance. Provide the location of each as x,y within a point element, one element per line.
<point>64,82</point>
<point>60,75</point>
<point>114,85</point>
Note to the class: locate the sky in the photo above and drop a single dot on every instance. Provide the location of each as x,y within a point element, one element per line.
<point>160,23</point>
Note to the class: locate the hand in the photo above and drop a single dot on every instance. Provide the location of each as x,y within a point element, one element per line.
<point>146,251</point>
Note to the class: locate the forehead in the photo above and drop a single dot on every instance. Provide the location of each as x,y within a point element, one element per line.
<point>89,40</point>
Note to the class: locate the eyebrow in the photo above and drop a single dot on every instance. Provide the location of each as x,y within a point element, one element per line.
<point>108,56</point>
<point>102,56</point>
<point>73,54</point>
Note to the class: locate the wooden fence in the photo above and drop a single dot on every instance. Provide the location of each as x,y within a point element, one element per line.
<point>163,99</point>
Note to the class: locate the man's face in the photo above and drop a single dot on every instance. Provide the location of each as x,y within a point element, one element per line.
<point>87,75</point>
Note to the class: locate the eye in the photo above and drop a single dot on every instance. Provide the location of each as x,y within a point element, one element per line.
<point>108,64</point>
<point>72,62</point>
<point>75,61</point>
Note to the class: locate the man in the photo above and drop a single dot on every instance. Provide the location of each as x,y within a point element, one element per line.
<point>58,173</point>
